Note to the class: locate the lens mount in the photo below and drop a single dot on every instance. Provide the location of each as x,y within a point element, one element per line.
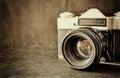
<point>82,48</point>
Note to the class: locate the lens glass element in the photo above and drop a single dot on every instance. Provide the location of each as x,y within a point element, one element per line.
<point>84,48</point>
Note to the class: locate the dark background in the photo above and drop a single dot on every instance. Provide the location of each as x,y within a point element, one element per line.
<point>28,31</point>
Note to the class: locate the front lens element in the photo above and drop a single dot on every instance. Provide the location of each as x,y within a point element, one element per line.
<point>84,48</point>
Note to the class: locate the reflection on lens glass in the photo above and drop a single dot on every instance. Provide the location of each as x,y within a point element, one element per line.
<point>83,48</point>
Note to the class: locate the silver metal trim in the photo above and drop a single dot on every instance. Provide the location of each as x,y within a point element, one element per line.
<point>110,63</point>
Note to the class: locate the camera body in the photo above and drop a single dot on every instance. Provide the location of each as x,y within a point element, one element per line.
<point>86,40</point>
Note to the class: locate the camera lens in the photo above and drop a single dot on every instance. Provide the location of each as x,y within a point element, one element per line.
<point>82,48</point>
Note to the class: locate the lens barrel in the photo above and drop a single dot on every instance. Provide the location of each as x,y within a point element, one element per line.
<point>82,48</point>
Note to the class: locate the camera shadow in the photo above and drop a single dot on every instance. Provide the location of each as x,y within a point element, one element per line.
<point>101,71</point>
<point>107,68</point>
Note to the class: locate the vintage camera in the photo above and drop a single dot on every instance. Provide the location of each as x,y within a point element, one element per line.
<point>87,40</point>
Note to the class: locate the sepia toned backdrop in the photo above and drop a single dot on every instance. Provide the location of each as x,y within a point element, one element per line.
<point>28,34</point>
<point>29,23</point>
